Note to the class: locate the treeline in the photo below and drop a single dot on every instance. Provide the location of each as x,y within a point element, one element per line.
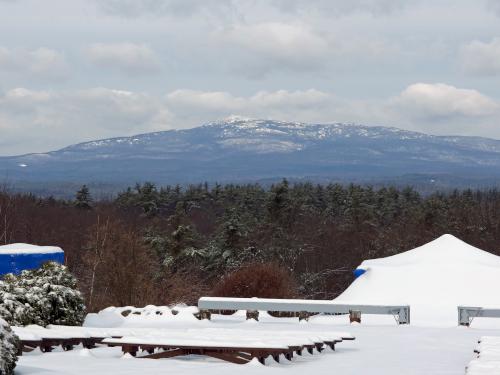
<point>163,245</point>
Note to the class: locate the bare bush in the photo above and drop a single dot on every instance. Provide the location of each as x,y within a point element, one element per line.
<point>264,280</point>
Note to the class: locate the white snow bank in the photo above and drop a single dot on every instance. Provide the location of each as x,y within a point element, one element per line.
<point>149,316</point>
<point>433,279</point>
<point>23,248</point>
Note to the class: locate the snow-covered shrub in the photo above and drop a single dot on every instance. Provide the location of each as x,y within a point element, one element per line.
<point>52,292</point>
<point>8,349</point>
<point>47,295</point>
<point>13,306</point>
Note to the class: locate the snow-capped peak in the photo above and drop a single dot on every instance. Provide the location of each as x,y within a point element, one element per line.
<point>236,118</point>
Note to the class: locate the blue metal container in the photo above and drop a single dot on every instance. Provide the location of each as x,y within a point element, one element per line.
<point>18,257</point>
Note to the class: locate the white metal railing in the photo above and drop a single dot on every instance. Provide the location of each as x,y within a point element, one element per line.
<point>467,313</point>
<point>400,312</point>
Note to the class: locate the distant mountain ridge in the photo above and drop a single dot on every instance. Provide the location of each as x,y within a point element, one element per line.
<point>246,150</point>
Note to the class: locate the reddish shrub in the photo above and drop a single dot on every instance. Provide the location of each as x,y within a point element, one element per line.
<point>264,280</point>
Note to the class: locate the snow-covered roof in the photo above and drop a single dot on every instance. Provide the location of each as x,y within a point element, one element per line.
<point>23,248</point>
<point>433,279</point>
<point>445,249</point>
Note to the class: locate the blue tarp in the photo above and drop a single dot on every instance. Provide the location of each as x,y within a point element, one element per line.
<point>15,263</point>
<point>358,272</point>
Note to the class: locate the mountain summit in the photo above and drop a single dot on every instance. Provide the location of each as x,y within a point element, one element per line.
<point>243,150</point>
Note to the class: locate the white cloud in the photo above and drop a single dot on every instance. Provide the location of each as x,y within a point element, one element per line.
<point>127,57</point>
<point>480,58</point>
<point>42,120</point>
<point>494,5</point>
<point>441,101</point>
<point>343,7</point>
<point>135,8</point>
<point>159,8</point>
<point>433,108</point>
<point>42,62</point>
<point>195,107</point>
<point>265,47</point>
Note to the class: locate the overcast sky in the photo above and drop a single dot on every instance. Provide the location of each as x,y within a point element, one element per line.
<point>76,70</point>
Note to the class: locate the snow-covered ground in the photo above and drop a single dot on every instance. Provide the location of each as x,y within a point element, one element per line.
<point>433,279</point>
<point>379,349</point>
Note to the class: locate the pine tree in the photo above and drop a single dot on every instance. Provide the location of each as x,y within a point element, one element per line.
<point>83,199</point>
<point>9,344</point>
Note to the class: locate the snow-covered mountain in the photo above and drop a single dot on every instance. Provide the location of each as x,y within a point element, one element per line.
<point>238,149</point>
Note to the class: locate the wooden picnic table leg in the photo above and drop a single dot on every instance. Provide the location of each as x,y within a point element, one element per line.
<point>205,314</point>
<point>167,354</point>
<point>130,349</point>
<point>331,344</point>
<point>46,346</point>
<point>88,343</point>
<point>228,357</point>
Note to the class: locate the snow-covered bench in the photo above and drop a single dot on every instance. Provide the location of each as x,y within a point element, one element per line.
<point>236,346</point>
<point>467,313</point>
<point>488,357</point>
<point>32,337</point>
<point>207,305</point>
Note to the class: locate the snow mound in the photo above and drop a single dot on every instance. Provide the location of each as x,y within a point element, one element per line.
<point>23,248</point>
<point>148,316</point>
<point>433,279</point>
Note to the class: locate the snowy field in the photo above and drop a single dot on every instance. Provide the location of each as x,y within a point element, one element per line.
<point>381,347</point>
<point>433,279</point>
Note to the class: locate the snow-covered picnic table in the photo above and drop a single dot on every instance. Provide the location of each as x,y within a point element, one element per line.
<point>33,336</point>
<point>488,357</point>
<point>237,346</point>
<point>233,345</point>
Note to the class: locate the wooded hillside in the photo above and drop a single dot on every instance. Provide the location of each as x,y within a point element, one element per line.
<point>164,245</point>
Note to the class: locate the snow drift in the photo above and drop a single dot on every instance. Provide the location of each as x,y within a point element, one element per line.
<point>433,279</point>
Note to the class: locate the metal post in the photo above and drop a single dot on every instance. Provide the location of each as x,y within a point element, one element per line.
<point>355,316</point>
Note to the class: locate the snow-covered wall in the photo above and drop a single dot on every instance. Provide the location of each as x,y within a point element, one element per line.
<point>15,258</point>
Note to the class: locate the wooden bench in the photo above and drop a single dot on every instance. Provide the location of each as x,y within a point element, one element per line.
<point>31,338</point>
<point>240,352</point>
<point>234,353</point>
<point>47,344</point>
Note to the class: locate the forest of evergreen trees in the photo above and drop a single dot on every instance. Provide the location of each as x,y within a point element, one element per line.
<point>154,245</point>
